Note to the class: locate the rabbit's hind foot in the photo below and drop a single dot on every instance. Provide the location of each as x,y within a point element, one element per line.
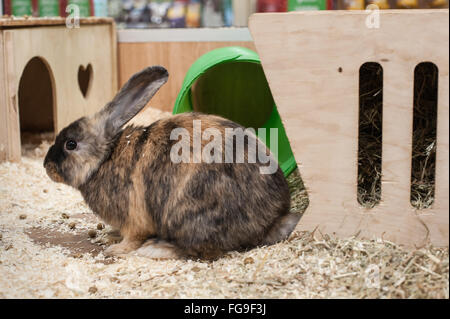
<point>125,247</point>
<point>158,249</point>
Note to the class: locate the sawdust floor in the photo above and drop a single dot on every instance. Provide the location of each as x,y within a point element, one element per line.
<point>51,246</point>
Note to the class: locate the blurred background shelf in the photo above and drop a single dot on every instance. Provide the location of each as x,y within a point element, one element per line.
<point>184,35</point>
<point>145,14</point>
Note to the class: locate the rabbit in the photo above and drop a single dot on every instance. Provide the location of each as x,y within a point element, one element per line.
<point>167,210</point>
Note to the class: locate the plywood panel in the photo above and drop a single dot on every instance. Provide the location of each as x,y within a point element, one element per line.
<point>13,151</point>
<point>3,110</point>
<point>9,134</point>
<point>312,61</point>
<point>177,57</point>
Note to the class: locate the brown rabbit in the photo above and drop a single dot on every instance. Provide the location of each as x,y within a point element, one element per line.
<point>165,209</point>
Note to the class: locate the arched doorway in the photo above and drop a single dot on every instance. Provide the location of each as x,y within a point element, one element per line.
<point>36,102</point>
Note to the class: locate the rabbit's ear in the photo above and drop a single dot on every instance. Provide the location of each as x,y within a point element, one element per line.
<point>132,98</point>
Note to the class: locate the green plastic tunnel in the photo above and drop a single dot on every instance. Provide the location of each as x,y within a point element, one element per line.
<point>230,82</point>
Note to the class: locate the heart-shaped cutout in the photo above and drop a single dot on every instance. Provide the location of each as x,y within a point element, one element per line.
<point>85,78</point>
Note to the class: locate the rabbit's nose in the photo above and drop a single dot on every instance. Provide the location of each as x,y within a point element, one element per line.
<point>48,156</point>
<point>52,172</point>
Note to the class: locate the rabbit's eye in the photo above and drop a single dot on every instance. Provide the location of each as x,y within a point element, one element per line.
<point>71,145</point>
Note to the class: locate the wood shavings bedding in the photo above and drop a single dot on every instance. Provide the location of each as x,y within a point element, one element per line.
<point>37,259</point>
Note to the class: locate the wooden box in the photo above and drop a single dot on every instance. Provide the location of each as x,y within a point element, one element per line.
<point>50,75</point>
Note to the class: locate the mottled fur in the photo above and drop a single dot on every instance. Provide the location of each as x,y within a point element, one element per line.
<point>128,179</point>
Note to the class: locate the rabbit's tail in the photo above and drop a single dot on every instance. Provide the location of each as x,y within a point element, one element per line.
<point>281,229</point>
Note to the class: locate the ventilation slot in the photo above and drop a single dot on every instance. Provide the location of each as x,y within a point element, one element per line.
<point>370,134</point>
<point>36,102</point>
<point>423,168</point>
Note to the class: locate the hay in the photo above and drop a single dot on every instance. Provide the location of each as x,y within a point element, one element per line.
<point>299,195</point>
<point>43,256</point>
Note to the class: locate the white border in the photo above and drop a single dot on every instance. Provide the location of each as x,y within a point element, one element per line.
<point>184,35</point>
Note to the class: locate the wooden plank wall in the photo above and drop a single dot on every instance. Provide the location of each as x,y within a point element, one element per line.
<point>177,57</point>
